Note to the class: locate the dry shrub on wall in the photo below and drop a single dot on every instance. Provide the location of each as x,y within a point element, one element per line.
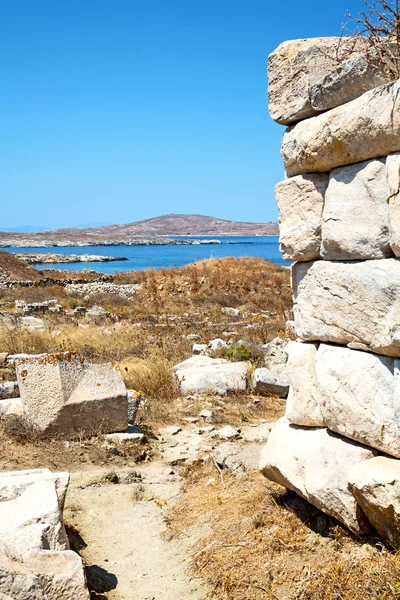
<point>377,28</point>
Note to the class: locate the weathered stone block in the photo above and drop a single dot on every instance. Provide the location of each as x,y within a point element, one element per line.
<point>294,67</point>
<point>264,382</point>
<point>393,200</point>
<point>42,575</point>
<point>352,78</point>
<point>358,396</point>
<point>65,394</point>
<point>303,403</point>
<point>202,374</point>
<point>365,128</point>
<point>300,201</point>
<point>316,464</point>
<point>375,484</point>
<point>349,303</point>
<point>355,223</point>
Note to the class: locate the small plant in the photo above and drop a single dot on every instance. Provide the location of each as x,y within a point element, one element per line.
<point>238,352</point>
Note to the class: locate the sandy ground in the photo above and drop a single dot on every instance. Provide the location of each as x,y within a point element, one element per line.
<point>123,536</point>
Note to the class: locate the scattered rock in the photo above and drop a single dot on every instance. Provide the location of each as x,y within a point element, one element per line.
<point>264,382</point>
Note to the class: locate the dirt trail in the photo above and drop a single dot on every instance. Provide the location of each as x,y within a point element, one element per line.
<point>122,523</point>
<point>123,536</point>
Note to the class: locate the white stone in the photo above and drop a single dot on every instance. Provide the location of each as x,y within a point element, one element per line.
<point>349,303</point>
<point>125,437</point>
<point>33,323</point>
<point>358,397</point>
<point>217,344</point>
<point>212,376</point>
<point>375,484</point>
<point>12,406</point>
<point>303,403</point>
<point>393,200</point>
<point>300,201</point>
<point>316,464</point>
<point>365,128</point>
<point>66,394</point>
<point>264,382</point>
<point>37,504</point>
<point>232,312</point>
<point>42,575</point>
<point>352,78</point>
<point>227,433</point>
<point>294,67</point>
<point>355,223</point>
<point>200,350</point>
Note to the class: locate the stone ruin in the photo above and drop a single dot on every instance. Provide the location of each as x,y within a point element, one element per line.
<point>338,445</point>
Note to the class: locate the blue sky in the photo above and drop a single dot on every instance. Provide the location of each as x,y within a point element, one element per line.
<point>119,110</point>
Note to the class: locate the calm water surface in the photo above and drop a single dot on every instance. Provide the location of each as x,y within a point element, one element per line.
<point>144,257</point>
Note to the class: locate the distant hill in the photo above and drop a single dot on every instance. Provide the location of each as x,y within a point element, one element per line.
<point>149,230</point>
<point>177,225</point>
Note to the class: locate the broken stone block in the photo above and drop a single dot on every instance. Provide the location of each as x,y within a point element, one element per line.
<point>264,382</point>
<point>65,394</point>
<point>375,484</point>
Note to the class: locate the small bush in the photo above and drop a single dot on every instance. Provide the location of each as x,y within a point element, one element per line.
<point>237,353</point>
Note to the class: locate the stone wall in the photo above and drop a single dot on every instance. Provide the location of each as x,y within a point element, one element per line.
<point>338,445</point>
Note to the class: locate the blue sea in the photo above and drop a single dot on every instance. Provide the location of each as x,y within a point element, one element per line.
<point>156,257</point>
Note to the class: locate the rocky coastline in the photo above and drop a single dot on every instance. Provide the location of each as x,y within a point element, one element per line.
<point>50,258</point>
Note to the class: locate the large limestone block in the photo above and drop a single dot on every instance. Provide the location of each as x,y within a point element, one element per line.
<point>294,67</point>
<point>355,223</point>
<point>65,394</point>
<point>42,575</point>
<point>316,464</point>
<point>38,504</point>
<point>365,128</point>
<point>393,199</point>
<point>212,376</point>
<point>349,303</point>
<point>358,398</point>
<point>300,201</point>
<point>352,78</point>
<point>375,484</point>
<point>303,403</point>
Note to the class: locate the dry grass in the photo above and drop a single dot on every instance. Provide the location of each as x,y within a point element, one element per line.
<point>15,268</point>
<point>268,543</point>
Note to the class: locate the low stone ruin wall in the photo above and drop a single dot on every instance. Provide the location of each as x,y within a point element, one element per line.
<point>338,445</point>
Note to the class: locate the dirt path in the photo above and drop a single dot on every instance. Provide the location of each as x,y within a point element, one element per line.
<point>121,523</point>
<point>124,544</point>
